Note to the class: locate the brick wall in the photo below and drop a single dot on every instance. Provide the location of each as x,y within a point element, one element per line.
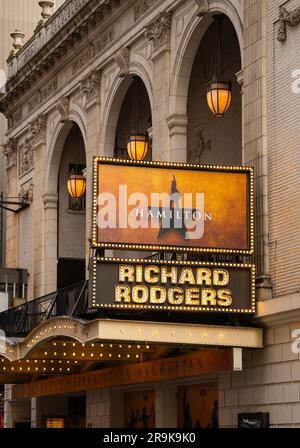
<point>269,382</point>
<point>283,152</point>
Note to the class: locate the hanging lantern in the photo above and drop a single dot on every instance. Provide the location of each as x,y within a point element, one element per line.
<point>138,140</point>
<point>218,93</point>
<point>76,185</point>
<point>219,98</point>
<point>138,146</point>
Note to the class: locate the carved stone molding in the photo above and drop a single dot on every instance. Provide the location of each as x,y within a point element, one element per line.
<point>62,106</point>
<point>15,118</point>
<point>142,6</point>
<point>37,129</point>
<point>10,150</point>
<point>291,18</point>
<point>50,201</point>
<point>121,58</point>
<point>26,159</point>
<point>90,88</point>
<point>26,192</point>
<point>203,7</point>
<point>177,124</point>
<point>159,33</point>
<point>93,49</point>
<point>42,95</point>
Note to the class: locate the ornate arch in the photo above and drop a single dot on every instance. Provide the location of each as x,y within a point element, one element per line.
<point>61,130</point>
<point>113,103</point>
<point>186,51</point>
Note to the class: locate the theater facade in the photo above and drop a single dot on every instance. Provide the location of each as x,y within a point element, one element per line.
<point>151,275</point>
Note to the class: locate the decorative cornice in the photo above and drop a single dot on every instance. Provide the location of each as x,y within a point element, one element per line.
<point>159,32</point>
<point>51,43</point>
<point>291,18</point>
<point>10,150</point>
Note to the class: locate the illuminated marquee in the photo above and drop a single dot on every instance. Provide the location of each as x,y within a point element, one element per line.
<point>177,286</point>
<point>172,207</point>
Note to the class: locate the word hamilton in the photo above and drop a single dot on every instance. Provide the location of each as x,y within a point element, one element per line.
<point>175,286</point>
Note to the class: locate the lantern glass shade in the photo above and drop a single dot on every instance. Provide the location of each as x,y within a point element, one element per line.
<point>76,185</point>
<point>138,146</point>
<point>219,98</point>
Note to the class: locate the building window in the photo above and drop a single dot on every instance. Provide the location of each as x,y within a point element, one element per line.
<point>77,204</point>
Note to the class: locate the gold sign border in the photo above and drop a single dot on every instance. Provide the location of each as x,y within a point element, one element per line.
<point>187,166</point>
<point>94,303</point>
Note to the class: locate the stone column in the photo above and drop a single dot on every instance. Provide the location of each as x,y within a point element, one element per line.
<point>37,135</point>
<point>8,419</point>
<point>158,32</point>
<point>255,132</point>
<point>178,137</point>
<point>50,202</point>
<point>98,408</point>
<point>11,153</point>
<point>90,102</point>
<point>35,413</point>
<point>165,405</point>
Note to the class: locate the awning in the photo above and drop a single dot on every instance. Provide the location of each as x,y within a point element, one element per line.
<point>68,346</point>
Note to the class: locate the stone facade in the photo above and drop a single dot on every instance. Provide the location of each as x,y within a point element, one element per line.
<point>25,19</point>
<point>82,76</point>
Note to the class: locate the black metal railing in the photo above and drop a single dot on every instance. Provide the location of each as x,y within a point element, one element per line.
<point>70,301</point>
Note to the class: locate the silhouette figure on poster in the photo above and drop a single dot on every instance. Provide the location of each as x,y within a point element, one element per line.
<point>187,418</point>
<point>144,417</point>
<point>214,417</point>
<point>133,420</point>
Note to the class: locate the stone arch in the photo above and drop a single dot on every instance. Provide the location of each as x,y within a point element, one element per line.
<point>188,47</point>
<point>56,146</point>
<point>50,194</point>
<point>114,100</point>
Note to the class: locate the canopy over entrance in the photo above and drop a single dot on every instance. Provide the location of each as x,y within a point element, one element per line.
<point>65,346</point>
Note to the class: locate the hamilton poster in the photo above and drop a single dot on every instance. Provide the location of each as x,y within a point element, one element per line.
<point>140,409</point>
<point>198,406</point>
<point>172,206</point>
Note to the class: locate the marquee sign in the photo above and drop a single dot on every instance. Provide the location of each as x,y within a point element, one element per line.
<point>172,206</point>
<point>172,286</point>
